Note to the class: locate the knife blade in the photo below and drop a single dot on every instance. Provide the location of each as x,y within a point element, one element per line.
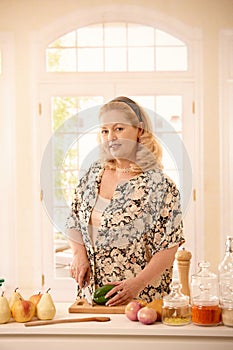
<point>87,295</point>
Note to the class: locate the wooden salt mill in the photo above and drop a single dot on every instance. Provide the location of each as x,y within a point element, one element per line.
<point>183,258</point>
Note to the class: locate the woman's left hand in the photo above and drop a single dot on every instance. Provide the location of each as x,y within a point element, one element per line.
<point>125,291</point>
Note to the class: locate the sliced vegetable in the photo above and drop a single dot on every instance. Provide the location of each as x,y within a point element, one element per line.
<point>99,294</point>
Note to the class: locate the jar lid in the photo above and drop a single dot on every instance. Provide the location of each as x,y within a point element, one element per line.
<point>175,298</point>
<point>204,271</point>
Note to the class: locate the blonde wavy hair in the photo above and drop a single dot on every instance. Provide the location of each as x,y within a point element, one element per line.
<point>149,150</point>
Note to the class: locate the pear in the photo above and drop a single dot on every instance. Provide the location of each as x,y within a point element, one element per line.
<point>23,310</point>
<point>46,309</point>
<point>5,311</point>
<point>15,296</point>
<point>35,298</point>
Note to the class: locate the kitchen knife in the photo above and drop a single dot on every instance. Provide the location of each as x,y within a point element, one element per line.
<point>87,295</point>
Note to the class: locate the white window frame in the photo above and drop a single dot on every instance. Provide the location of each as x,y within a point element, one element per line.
<point>226,132</point>
<point>110,13</point>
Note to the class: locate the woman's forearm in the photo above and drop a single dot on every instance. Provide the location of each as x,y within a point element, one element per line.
<point>157,265</point>
<point>80,266</point>
<point>77,248</point>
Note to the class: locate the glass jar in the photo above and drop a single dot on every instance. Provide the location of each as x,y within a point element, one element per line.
<point>176,310</point>
<point>227,313</point>
<point>206,314</point>
<point>204,279</point>
<point>205,297</point>
<point>225,273</point>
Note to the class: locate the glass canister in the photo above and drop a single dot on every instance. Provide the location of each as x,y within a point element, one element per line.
<point>176,309</point>
<point>205,297</point>
<point>225,273</point>
<point>225,276</point>
<point>227,313</point>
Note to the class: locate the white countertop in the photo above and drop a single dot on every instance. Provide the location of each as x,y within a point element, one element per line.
<point>118,325</point>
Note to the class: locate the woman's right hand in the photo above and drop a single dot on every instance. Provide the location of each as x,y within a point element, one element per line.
<point>80,269</point>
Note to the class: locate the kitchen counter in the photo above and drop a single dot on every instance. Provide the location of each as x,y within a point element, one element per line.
<point>119,331</point>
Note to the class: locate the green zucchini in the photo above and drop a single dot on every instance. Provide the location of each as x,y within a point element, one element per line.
<point>99,294</point>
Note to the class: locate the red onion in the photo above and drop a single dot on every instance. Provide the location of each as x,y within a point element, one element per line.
<point>147,315</point>
<point>131,310</point>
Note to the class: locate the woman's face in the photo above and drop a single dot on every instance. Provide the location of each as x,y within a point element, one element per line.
<point>118,136</point>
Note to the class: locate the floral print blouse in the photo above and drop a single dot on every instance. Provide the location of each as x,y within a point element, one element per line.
<point>143,217</point>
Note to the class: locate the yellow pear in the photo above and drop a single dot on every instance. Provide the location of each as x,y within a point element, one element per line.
<point>5,312</point>
<point>46,309</point>
<point>15,296</point>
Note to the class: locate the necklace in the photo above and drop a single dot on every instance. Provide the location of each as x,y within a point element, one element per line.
<point>124,170</point>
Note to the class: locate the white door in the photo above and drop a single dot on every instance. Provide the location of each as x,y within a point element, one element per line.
<point>60,168</point>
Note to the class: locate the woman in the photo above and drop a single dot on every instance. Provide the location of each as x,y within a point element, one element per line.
<point>125,225</point>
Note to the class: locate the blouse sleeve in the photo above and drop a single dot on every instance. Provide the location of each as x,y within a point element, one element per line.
<point>79,207</point>
<point>74,235</point>
<point>73,228</point>
<point>169,225</point>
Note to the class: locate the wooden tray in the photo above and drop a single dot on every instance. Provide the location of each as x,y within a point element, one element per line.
<point>82,306</point>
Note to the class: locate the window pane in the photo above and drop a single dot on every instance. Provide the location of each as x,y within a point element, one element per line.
<point>62,109</point>
<point>175,176</point>
<point>60,185</point>
<point>60,215</point>
<point>115,34</point>
<point>168,161</point>
<point>170,108</point>
<point>85,102</point>
<point>65,182</point>
<point>90,36</point>
<point>90,60</point>
<point>87,144</point>
<point>115,60</point>
<point>165,39</point>
<point>174,148</point>
<point>67,40</point>
<point>70,164</point>
<point>61,60</point>
<point>141,59</point>
<point>60,144</point>
<point>171,58</point>
<point>140,35</point>
<point>145,101</point>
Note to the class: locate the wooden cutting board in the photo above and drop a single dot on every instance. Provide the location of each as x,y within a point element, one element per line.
<point>82,306</point>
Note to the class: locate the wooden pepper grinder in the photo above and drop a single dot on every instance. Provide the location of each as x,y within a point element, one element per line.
<point>183,258</point>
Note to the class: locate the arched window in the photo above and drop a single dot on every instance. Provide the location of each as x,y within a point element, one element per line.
<point>116,47</point>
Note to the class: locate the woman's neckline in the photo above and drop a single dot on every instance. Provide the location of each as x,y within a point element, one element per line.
<point>104,198</point>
